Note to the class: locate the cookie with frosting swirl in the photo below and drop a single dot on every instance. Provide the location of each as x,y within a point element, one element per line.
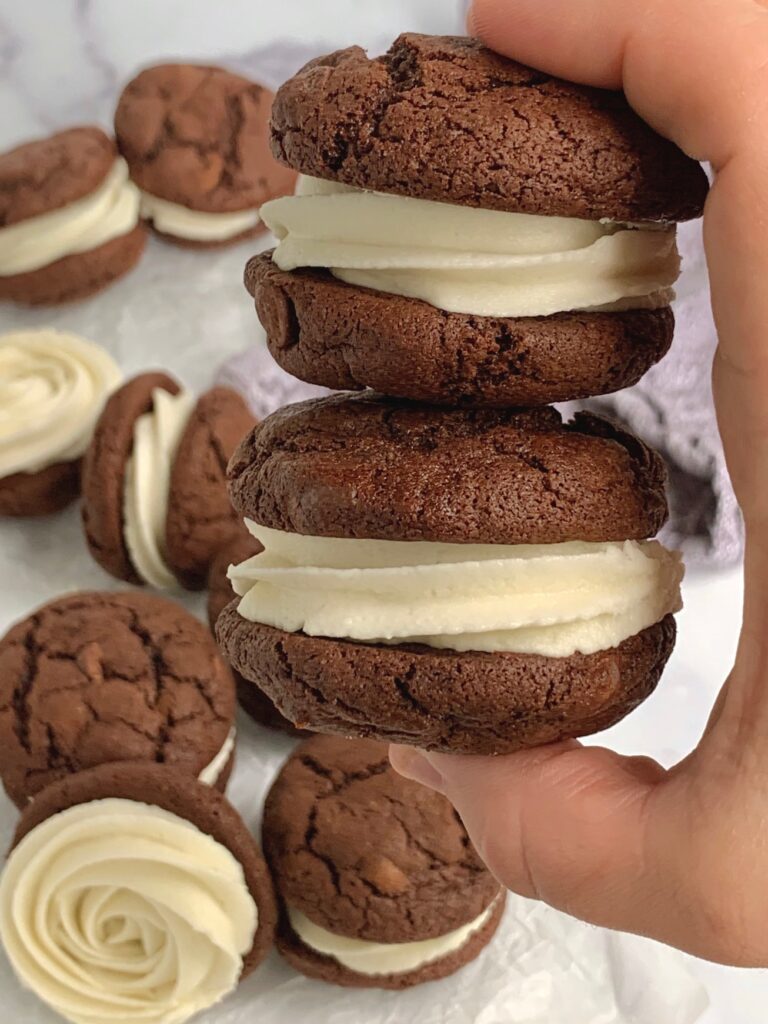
<point>133,893</point>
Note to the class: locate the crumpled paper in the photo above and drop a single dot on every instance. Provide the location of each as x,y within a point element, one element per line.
<point>188,312</point>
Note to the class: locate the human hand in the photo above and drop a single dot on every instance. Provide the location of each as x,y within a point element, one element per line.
<point>679,855</point>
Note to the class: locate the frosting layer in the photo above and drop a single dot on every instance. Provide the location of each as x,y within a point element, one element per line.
<point>549,599</point>
<point>116,911</point>
<point>109,212</point>
<point>367,957</point>
<point>467,260</point>
<point>196,225</point>
<point>211,774</point>
<point>156,436</point>
<point>52,389</point>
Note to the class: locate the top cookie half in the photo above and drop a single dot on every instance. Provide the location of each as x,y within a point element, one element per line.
<point>444,118</point>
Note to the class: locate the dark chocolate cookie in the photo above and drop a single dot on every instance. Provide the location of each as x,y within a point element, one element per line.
<point>49,174</point>
<point>159,786</point>
<point>99,677</point>
<point>104,472</point>
<point>200,517</point>
<point>42,493</point>
<point>366,466</point>
<point>344,337</point>
<point>198,136</point>
<point>444,118</point>
<point>458,702</point>
<point>367,854</point>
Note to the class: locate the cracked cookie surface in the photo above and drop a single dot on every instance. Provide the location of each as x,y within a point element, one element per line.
<point>198,136</point>
<point>458,702</point>
<point>345,338</point>
<point>366,853</point>
<point>444,118</point>
<point>367,466</point>
<point>48,173</point>
<point>99,677</point>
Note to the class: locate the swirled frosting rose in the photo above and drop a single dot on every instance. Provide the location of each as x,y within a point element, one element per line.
<point>116,911</point>
<point>52,389</point>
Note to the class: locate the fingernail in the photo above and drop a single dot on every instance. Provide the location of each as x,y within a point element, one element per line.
<point>415,764</point>
<point>471,22</point>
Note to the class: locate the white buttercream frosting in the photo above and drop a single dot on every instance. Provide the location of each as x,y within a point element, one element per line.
<point>156,436</point>
<point>108,212</point>
<point>116,911</point>
<point>211,774</point>
<point>368,957</point>
<point>467,260</point>
<point>196,225</point>
<point>52,389</point>
<point>548,599</point>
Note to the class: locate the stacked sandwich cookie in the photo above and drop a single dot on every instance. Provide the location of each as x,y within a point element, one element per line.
<point>448,563</point>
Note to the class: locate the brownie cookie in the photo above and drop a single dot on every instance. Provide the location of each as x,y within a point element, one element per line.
<point>140,843</point>
<point>470,580</point>
<point>155,505</point>
<point>99,677</point>
<point>467,230</point>
<point>330,333</point>
<point>69,218</point>
<point>220,593</point>
<point>444,118</point>
<point>52,389</point>
<point>378,882</point>
<point>196,139</point>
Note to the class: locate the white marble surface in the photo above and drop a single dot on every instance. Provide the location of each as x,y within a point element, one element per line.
<point>61,62</point>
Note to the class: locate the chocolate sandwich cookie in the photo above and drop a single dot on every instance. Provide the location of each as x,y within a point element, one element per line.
<point>100,677</point>
<point>196,139</point>
<point>378,882</point>
<point>69,218</point>
<point>471,580</point>
<point>52,389</point>
<point>132,892</point>
<point>477,233</point>
<point>252,700</point>
<point>155,505</point>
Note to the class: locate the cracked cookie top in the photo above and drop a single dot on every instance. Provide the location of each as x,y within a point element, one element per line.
<point>366,853</point>
<point>198,136</point>
<point>100,677</point>
<point>444,118</point>
<point>49,173</point>
<point>372,467</point>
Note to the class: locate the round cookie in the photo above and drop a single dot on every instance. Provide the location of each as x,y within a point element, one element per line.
<point>53,386</point>
<point>444,118</point>
<point>199,517</point>
<point>366,466</point>
<point>468,580</point>
<point>251,699</point>
<point>99,677</point>
<point>343,337</point>
<point>197,142</point>
<point>184,833</point>
<point>43,259</point>
<point>365,854</point>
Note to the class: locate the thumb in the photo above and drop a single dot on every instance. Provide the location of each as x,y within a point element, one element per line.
<point>567,824</point>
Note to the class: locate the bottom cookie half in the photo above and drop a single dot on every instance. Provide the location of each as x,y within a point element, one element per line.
<point>473,702</point>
